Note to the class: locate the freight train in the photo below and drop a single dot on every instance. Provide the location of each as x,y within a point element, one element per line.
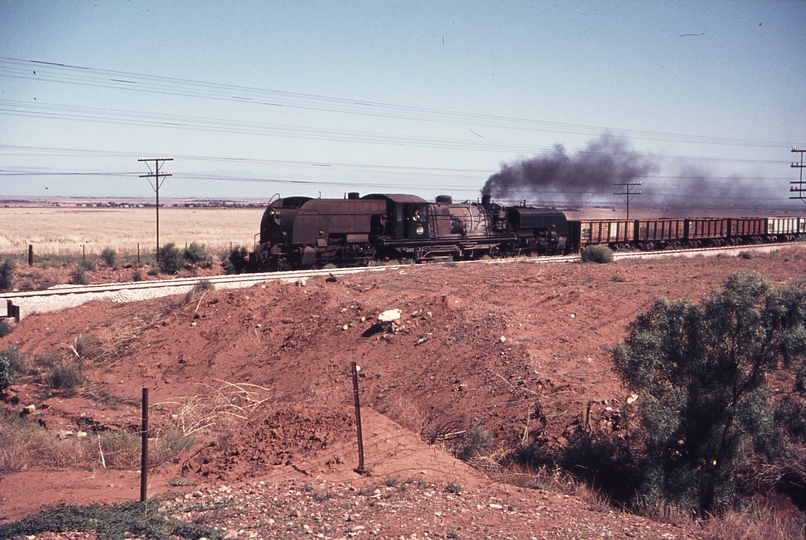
<point>304,232</point>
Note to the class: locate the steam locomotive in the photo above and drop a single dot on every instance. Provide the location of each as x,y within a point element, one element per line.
<point>304,232</point>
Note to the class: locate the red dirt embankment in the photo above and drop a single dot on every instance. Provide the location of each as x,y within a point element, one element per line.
<point>521,348</point>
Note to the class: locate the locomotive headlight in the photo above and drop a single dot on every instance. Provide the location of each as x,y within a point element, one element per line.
<point>419,230</point>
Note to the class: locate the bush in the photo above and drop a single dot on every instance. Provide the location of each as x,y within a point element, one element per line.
<point>478,443</point>
<point>79,276</point>
<point>598,254</point>
<point>171,259</point>
<point>109,256</point>
<point>66,376</point>
<point>198,256</point>
<point>237,261</point>
<point>12,366</point>
<point>454,488</point>
<point>7,275</point>
<point>5,328</point>
<point>701,372</point>
<point>137,275</point>
<point>90,265</point>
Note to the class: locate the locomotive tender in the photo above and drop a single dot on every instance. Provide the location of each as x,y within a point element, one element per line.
<point>304,232</point>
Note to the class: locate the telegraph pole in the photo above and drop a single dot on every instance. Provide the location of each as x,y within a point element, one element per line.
<point>156,174</point>
<point>627,194</point>
<point>800,189</point>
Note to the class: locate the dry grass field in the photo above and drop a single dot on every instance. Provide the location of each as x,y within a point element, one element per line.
<point>63,231</point>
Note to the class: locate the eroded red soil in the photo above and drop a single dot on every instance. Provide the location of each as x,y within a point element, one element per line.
<point>521,348</point>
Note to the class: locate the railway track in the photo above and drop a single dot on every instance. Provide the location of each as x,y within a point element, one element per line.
<point>21,304</point>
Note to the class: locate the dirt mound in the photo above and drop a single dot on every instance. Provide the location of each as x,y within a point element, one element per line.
<point>283,437</point>
<point>521,349</point>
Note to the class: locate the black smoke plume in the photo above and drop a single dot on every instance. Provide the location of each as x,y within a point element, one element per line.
<point>587,176</point>
<point>590,177</point>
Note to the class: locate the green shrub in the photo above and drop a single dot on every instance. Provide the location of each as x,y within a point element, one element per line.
<point>196,255</point>
<point>90,265</point>
<point>12,366</point>
<point>237,260</point>
<point>477,443</point>
<point>7,275</point>
<point>137,275</point>
<point>598,254</point>
<point>746,254</point>
<point>133,519</point>
<point>79,276</point>
<point>171,259</point>
<point>66,376</point>
<point>706,406</point>
<point>5,328</point>
<point>454,488</point>
<point>109,256</point>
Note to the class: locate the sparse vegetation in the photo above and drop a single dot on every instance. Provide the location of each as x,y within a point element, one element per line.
<point>110,257</point>
<point>477,443</point>
<point>454,488</point>
<point>79,276</point>
<point>197,255</point>
<point>66,376</point>
<point>90,265</point>
<point>7,275</point>
<point>199,289</point>
<point>120,449</point>
<point>131,519</point>
<point>12,366</point>
<point>236,261</point>
<point>171,259</point>
<point>5,328</point>
<point>598,254</point>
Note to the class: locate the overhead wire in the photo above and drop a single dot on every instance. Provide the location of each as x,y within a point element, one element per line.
<point>101,78</point>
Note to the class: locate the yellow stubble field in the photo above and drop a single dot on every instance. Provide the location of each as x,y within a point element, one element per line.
<point>63,231</point>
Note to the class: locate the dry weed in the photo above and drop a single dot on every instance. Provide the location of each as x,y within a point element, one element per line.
<point>215,409</point>
<point>554,480</point>
<point>759,524</point>
<point>24,445</point>
<point>119,343</point>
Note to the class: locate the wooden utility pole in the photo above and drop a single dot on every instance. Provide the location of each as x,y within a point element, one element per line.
<point>628,195</point>
<point>155,174</point>
<point>798,186</point>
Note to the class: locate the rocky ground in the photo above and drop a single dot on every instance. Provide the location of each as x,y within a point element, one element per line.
<point>261,378</point>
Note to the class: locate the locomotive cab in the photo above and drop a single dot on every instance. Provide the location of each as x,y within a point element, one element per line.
<point>416,221</point>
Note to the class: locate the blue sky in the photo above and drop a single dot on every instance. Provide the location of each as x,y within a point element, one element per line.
<point>307,97</point>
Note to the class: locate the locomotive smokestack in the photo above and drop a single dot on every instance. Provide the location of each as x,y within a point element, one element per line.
<point>486,200</point>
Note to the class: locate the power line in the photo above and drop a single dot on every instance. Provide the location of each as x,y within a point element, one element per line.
<point>127,81</point>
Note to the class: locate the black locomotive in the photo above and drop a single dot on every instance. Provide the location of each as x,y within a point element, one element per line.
<point>303,232</point>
